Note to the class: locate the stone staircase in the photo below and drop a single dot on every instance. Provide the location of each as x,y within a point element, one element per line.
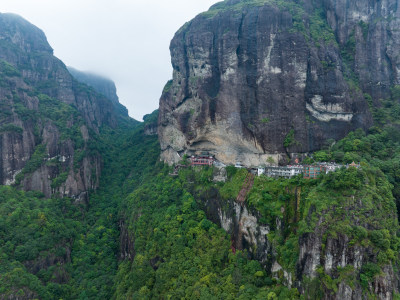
<point>247,185</point>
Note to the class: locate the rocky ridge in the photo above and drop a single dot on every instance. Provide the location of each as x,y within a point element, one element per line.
<point>49,122</point>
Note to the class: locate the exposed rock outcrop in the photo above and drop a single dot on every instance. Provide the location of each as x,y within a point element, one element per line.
<point>151,126</point>
<point>242,223</point>
<point>260,79</point>
<point>126,243</point>
<point>150,129</point>
<point>338,253</point>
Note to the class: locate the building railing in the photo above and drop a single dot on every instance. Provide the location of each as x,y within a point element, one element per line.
<point>201,161</point>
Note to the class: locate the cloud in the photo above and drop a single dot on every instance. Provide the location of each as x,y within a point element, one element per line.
<point>124,40</point>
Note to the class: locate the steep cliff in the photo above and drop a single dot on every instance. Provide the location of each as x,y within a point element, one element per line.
<point>331,239</point>
<point>151,124</point>
<point>259,79</point>
<point>49,122</point>
<point>101,85</point>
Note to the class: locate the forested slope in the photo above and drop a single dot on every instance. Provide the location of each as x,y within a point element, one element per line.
<point>56,248</point>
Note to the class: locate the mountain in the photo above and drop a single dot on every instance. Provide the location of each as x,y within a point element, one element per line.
<point>49,122</point>
<point>101,85</point>
<point>260,79</point>
<point>90,211</point>
<point>61,172</point>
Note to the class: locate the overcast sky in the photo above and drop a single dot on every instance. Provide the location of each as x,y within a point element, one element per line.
<point>124,40</point>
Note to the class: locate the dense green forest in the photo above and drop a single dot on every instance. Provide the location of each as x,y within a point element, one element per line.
<point>181,254</point>
<point>59,249</point>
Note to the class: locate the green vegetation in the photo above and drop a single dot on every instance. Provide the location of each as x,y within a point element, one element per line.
<point>56,248</point>
<point>395,92</point>
<point>62,115</point>
<point>170,228</point>
<point>168,86</point>
<point>380,148</point>
<point>11,128</point>
<point>181,254</point>
<point>348,53</point>
<point>302,204</point>
<point>290,140</point>
<point>36,160</point>
<point>128,156</point>
<point>231,189</point>
<point>35,237</point>
<point>151,118</point>
<point>365,29</point>
<point>265,120</point>
<point>320,31</point>
<point>68,121</point>
<point>8,70</point>
<point>312,25</point>
<point>79,155</point>
<point>270,160</point>
<point>59,180</point>
<point>237,7</point>
<point>178,252</point>
<point>161,213</point>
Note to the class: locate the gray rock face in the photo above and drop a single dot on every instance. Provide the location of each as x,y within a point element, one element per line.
<point>254,80</point>
<point>150,129</point>
<point>241,223</point>
<point>340,253</point>
<point>101,85</point>
<point>126,242</point>
<point>373,26</point>
<point>48,120</point>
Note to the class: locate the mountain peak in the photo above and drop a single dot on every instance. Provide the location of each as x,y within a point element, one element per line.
<point>261,79</point>
<point>21,33</point>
